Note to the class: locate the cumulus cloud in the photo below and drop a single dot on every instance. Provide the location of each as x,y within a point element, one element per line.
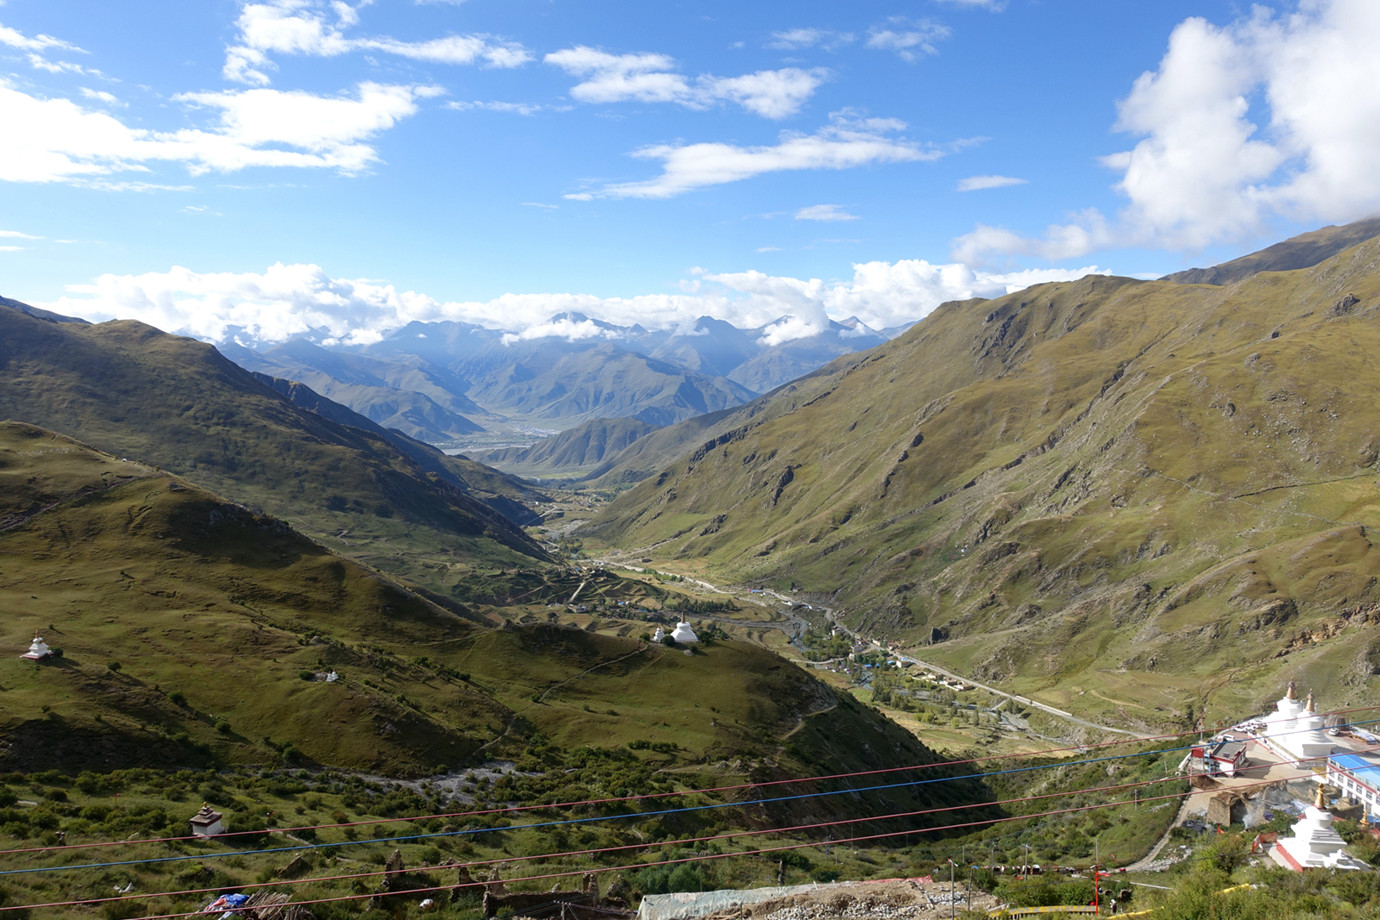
<point>286,301</point>
<point>319,29</point>
<point>847,142</point>
<point>55,140</point>
<point>564,327</point>
<point>1272,115</point>
<point>649,77</point>
<point>1085,233</point>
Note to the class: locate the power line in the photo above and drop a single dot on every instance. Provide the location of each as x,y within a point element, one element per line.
<point>644,865</point>
<point>509,810</point>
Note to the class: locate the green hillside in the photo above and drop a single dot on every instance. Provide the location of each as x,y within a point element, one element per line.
<point>195,632</point>
<point>1148,499</point>
<point>179,405</point>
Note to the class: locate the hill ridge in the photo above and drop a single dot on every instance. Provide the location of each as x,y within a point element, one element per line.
<point>1003,479</point>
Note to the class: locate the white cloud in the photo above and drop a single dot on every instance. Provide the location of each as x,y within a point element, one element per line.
<point>797,39</point>
<point>293,300</point>
<point>978,4</point>
<point>514,108</point>
<point>908,38</point>
<point>55,140</point>
<point>17,235</point>
<point>96,95</point>
<point>1086,232</point>
<point>563,328</point>
<point>975,183</point>
<point>772,94</point>
<point>38,46</point>
<point>318,29</point>
<point>1275,114</point>
<point>824,212</point>
<point>845,143</point>
<point>16,39</point>
<point>648,77</point>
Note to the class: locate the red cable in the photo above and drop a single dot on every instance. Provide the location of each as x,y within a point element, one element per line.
<point>650,795</point>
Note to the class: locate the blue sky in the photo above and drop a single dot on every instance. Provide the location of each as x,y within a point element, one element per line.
<point>263,169</point>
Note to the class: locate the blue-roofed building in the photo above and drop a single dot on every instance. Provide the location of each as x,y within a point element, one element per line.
<point>1357,776</point>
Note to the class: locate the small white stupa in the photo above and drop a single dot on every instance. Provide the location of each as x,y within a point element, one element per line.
<point>684,634</point>
<point>207,822</point>
<point>38,649</point>
<point>1309,739</point>
<point>659,635</point>
<point>1315,843</point>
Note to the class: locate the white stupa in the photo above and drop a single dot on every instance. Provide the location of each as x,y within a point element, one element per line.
<point>38,649</point>
<point>659,635</point>
<point>1315,843</point>
<point>1286,712</point>
<point>207,822</point>
<point>683,633</point>
<point>1295,730</point>
<point>1309,738</point>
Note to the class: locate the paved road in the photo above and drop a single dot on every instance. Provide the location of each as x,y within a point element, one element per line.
<point>788,602</point>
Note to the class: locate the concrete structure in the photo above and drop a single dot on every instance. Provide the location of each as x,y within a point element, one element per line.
<point>684,634</point>
<point>659,635</point>
<point>1315,843</point>
<point>38,649</point>
<point>207,822</point>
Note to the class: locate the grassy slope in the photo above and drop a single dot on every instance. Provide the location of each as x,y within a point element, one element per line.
<point>652,453</point>
<point>178,404</point>
<point>212,612</point>
<point>600,382</point>
<point>570,454</point>
<point>1145,490</point>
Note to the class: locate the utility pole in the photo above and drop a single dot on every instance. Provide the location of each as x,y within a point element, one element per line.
<point>952,899</point>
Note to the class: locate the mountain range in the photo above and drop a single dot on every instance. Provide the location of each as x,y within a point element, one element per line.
<point>1147,499</point>
<point>181,406</point>
<point>1151,501</point>
<point>461,385</point>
